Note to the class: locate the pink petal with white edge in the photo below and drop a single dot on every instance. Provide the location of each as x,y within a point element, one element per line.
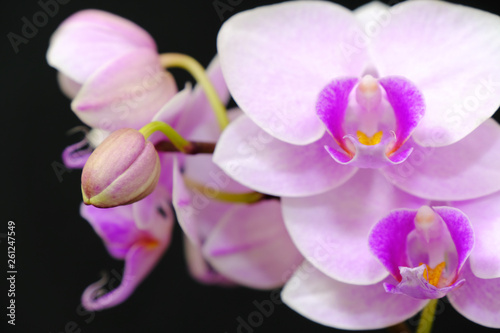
<point>465,170</point>
<point>346,306</point>
<point>256,159</point>
<point>90,39</point>
<point>458,82</point>
<point>478,299</point>
<point>484,214</point>
<point>331,229</point>
<point>251,246</point>
<point>126,93</point>
<point>276,59</point>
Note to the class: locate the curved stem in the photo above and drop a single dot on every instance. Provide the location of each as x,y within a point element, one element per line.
<point>198,72</point>
<point>177,140</point>
<point>427,317</point>
<point>246,198</point>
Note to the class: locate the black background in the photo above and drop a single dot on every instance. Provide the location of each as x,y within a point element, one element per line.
<point>58,254</point>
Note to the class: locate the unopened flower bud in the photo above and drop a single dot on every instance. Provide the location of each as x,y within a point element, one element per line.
<point>123,169</point>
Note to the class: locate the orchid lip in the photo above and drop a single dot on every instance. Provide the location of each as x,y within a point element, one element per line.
<point>359,112</point>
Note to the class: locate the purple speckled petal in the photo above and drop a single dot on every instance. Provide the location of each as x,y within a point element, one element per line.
<point>346,306</point>
<point>414,284</point>
<point>331,229</point>
<point>460,230</point>
<point>250,245</point>
<point>276,63</point>
<point>331,107</point>
<point>388,237</point>
<point>127,92</point>
<point>459,80</point>
<point>89,39</point>
<point>408,105</point>
<point>484,214</point>
<point>465,170</point>
<point>478,299</point>
<point>74,156</point>
<point>245,150</point>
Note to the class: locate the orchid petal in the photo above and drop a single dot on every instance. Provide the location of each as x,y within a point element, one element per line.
<point>346,306</point>
<point>69,87</point>
<point>196,212</point>
<point>332,105</point>
<point>484,214</point>
<point>115,226</point>
<point>465,170</point>
<point>371,14</point>
<point>251,246</point>
<point>199,268</point>
<point>331,229</point>
<point>244,151</point>
<point>408,105</point>
<point>478,299</point>
<point>458,81</point>
<point>276,62</point>
<point>139,262</point>
<point>388,238</point>
<point>141,249</point>
<point>460,230</point>
<point>126,93</point>
<point>90,39</point>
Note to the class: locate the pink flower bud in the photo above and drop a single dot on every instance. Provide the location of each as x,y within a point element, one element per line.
<point>123,169</point>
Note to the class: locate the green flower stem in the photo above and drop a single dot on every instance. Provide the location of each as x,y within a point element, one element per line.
<point>198,72</point>
<point>177,140</point>
<point>243,198</point>
<point>427,317</point>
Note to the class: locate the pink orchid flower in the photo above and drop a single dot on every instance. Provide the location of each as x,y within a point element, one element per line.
<point>427,254</point>
<point>331,92</point>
